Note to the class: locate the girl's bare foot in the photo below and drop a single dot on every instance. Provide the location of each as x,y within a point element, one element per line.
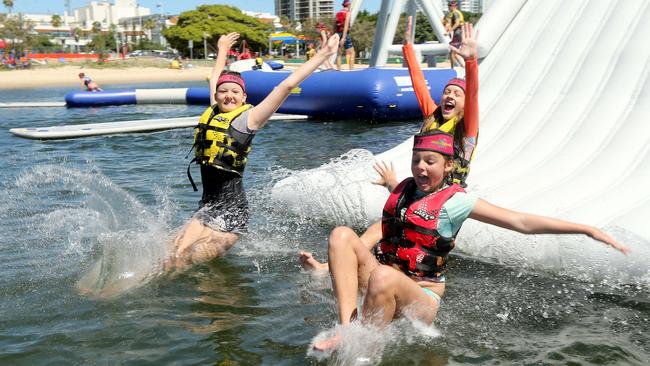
<point>309,263</point>
<point>327,344</point>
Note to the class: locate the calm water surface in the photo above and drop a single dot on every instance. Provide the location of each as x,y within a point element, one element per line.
<point>69,204</point>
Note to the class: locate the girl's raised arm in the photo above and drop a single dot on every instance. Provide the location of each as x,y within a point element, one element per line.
<point>224,44</point>
<point>260,114</point>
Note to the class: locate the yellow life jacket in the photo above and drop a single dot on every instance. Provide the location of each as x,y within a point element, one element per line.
<point>214,144</point>
<point>461,163</point>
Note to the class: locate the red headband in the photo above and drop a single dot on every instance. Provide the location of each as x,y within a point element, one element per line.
<point>457,82</point>
<point>438,141</point>
<point>230,78</point>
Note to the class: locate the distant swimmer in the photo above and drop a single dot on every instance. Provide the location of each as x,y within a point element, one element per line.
<point>403,275</point>
<point>88,83</point>
<point>222,143</point>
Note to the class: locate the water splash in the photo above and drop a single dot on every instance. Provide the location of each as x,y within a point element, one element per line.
<point>366,345</point>
<point>340,191</point>
<point>86,215</point>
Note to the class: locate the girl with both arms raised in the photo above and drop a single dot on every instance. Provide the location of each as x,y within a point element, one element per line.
<point>405,276</point>
<point>222,143</point>
<point>457,114</point>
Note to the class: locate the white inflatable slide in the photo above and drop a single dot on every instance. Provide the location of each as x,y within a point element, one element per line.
<point>564,113</point>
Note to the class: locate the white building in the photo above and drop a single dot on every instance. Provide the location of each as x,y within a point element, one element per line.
<point>107,13</point>
<point>265,18</point>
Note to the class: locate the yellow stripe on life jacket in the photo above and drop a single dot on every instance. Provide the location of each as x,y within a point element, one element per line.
<point>461,164</point>
<point>214,143</point>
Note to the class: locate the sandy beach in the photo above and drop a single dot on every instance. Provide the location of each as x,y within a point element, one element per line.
<point>68,76</point>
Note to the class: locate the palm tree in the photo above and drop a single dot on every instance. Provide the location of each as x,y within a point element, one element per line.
<point>97,27</point>
<point>149,25</point>
<point>56,20</point>
<point>9,4</point>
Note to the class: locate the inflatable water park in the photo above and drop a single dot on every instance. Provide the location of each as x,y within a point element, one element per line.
<point>88,218</point>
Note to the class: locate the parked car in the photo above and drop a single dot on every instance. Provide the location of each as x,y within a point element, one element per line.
<point>138,53</point>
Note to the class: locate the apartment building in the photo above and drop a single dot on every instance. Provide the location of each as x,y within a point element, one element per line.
<point>299,10</point>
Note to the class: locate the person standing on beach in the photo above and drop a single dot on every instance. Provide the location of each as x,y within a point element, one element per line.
<point>88,83</point>
<point>342,26</point>
<point>222,143</point>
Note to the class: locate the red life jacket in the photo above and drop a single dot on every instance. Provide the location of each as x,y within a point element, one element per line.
<point>340,20</point>
<point>411,241</point>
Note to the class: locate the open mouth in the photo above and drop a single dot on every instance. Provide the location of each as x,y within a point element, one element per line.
<point>448,106</point>
<point>422,180</point>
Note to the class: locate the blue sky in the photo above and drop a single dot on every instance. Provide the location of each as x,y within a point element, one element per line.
<point>168,6</point>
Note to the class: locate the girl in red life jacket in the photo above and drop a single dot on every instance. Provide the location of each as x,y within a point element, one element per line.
<point>405,284</point>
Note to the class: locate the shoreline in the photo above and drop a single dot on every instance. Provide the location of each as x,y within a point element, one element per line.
<point>67,76</point>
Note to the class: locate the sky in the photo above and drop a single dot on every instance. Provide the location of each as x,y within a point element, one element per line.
<point>167,6</point>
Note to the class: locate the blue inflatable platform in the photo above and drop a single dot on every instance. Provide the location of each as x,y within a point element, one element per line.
<point>374,94</point>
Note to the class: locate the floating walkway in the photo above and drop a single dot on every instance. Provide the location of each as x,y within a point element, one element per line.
<point>109,128</point>
<point>32,105</point>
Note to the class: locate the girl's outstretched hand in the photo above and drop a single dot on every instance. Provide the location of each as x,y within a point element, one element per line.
<point>469,45</point>
<point>387,176</point>
<point>227,41</point>
<point>331,46</point>
<point>607,239</point>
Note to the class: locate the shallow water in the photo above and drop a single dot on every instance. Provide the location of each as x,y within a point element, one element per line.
<point>114,201</point>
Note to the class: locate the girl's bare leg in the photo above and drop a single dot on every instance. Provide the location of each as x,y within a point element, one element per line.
<point>350,265</point>
<point>197,243</point>
<point>390,293</point>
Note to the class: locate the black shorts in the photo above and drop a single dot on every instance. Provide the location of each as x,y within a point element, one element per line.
<point>457,38</point>
<point>348,40</point>
<point>223,206</point>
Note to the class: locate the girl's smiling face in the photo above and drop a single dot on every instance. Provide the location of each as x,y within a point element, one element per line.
<point>452,102</point>
<point>229,96</point>
<point>429,169</point>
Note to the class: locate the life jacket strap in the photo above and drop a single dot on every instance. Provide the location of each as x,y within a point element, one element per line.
<point>189,175</point>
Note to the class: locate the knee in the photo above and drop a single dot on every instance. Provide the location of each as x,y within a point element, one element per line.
<point>381,281</point>
<point>339,238</point>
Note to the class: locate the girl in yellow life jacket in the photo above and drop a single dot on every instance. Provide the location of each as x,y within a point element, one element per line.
<point>222,141</point>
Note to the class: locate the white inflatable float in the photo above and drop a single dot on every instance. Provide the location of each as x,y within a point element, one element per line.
<point>563,112</point>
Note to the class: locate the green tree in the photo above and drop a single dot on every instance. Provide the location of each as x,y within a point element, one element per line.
<point>363,35</point>
<point>149,25</point>
<point>18,33</point>
<point>9,4</point>
<point>56,20</point>
<point>216,20</point>
<point>96,27</point>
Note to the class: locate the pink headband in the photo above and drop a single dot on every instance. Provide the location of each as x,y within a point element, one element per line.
<point>438,141</point>
<point>458,82</point>
<point>230,78</point>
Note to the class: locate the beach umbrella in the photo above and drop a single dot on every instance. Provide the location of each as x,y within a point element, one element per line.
<point>2,43</point>
<point>284,37</point>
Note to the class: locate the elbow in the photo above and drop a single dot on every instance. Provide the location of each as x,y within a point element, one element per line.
<point>286,86</point>
<point>522,225</point>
